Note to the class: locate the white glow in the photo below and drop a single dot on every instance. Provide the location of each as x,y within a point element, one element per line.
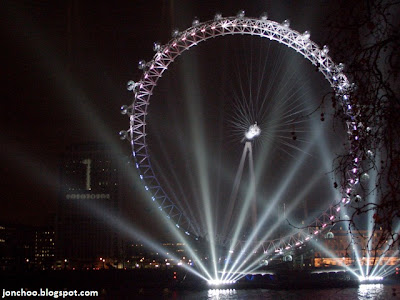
<point>369,278</point>
<point>220,282</point>
<point>253,131</point>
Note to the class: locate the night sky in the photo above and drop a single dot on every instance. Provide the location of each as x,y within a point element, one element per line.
<point>65,66</point>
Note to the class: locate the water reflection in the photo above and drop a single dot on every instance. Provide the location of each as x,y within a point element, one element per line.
<point>370,291</point>
<point>221,294</point>
<point>362,292</point>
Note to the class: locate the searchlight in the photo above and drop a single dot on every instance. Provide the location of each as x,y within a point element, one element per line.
<point>369,278</point>
<point>216,282</point>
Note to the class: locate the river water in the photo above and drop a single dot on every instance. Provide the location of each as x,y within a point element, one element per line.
<point>364,291</point>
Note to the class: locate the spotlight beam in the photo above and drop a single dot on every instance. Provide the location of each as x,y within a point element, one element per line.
<point>250,199</point>
<point>232,198</point>
<point>117,222</point>
<point>300,197</point>
<point>376,269</point>
<point>221,26</point>
<point>275,199</point>
<point>199,148</point>
<point>354,248</point>
<point>180,188</point>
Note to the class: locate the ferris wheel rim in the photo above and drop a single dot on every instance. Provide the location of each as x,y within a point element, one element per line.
<point>221,26</point>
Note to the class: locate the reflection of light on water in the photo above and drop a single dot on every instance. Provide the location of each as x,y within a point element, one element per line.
<point>369,291</point>
<point>221,294</point>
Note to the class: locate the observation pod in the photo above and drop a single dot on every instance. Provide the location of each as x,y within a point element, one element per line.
<point>200,32</point>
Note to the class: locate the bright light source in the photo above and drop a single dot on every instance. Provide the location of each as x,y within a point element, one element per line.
<point>253,131</point>
<point>220,282</point>
<point>369,278</point>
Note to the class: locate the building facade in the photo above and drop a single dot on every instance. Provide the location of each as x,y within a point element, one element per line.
<point>343,248</point>
<point>44,245</point>
<point>89,198</point>
<point>16,247</point>
<point>25,247</point>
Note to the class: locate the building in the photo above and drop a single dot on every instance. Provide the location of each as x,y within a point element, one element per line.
<point>16,247</point>
<point>44,247</point>
<point>25,247</point>
<point>90,196</point>
<point>138,256</point>
<point>344,249</point>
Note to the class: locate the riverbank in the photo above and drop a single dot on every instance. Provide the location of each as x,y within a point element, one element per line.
<point>171,279</point>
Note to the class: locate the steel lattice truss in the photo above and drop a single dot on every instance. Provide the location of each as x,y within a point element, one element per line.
<point>221,26</point>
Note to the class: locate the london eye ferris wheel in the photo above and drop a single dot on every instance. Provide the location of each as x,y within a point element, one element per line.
<point>233,145</point>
